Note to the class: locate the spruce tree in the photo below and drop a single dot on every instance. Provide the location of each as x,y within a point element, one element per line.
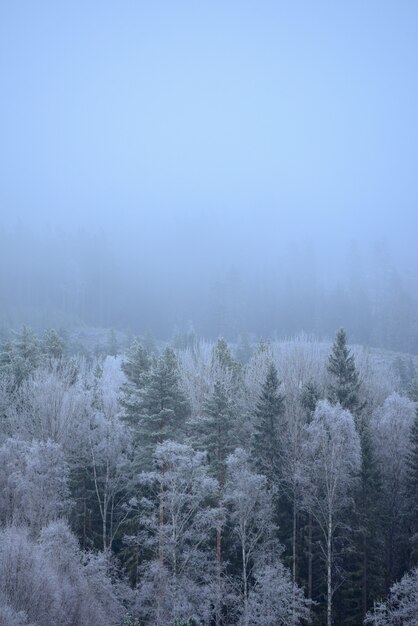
<point>21,356</point>
<point>341,366</point>
<point>224,365</point>
<point>310,394</point>
<point>53,345</point>
<point>363,559</point>
<point>266,443</point>
<point>163,405</point>
<point>214,430</point>
<point>136,367</point>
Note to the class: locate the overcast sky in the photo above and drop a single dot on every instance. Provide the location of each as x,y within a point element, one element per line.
<point>246,120</point>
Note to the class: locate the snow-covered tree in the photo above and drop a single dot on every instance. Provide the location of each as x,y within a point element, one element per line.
<point>20,356</point>
<point>33,483</point>
<point>274,599</point>
<point>135,366</point>
<point>48,581</point>
<point>332,460</point>
<point>251,514</point>
<point>179,522</point>
<point>391,427</point>
<point>401,606</point>
<point>164,406</point>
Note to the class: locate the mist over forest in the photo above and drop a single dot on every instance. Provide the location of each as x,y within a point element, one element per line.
<point>213,278</point>
<point>208,313</point>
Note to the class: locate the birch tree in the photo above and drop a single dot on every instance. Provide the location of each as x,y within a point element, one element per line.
<point>332,460</point>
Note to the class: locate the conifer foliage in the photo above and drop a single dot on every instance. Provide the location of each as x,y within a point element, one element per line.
<point>345,384</point>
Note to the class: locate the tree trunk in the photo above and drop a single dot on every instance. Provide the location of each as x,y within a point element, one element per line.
<point>244,583</point>
<point>160,556</point>
<point>218,567</point>
<point>310,557</point>
<point>329,581</point>
<point>365,577</point>
<point>294,542</point>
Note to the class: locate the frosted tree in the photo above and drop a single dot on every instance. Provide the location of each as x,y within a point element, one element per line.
<point>251,515</point>
<point>401,606</point>
<point>33,483</point>
<point>111,463</point>
<point>48,581</point>
<point>53,345</point>
<point>49,405</point>
<point>275,600</point>
<point>215,432</point>
<point>332,460</point>
<point>20,356</point>
<point>164,406</point>
<point>391,427</point>
<point>179,521</point>
<point>135,366</point>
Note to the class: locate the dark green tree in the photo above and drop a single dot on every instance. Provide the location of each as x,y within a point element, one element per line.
<point>224,364</point>
<point>268,427</point>
<point>163,405</point>
<point>345,385</point>
<point>364,575</point>
<point>53,346</point>
<point>309,396</point>
<point>214,431</point>
<point>136,367</point>
<point>20,356</point>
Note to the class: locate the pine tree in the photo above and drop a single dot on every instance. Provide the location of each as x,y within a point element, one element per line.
<point>215,433</point>
<point>268,425</point>
<point>341,366</point>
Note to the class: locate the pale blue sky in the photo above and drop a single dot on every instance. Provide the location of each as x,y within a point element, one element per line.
<point>249,117</point>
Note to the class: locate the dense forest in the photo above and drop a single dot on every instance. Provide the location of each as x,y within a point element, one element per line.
<point>198,483</point>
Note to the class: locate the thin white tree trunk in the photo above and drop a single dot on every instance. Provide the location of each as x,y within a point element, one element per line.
<point>329,581</point>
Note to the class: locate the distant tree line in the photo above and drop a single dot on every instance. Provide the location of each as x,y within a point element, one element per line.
<point>64,279</point>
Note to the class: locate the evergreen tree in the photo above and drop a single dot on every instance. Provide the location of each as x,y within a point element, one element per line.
<point>268,426</point>
<point>20,356</point>
<point>53,345</point>
<point>163,404</point>
<point>224,365</point>
<point>136,367</point>
<point>214,430</point>
<point>341,366</point>
<point>309,397</point>
<point>363,560</point>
